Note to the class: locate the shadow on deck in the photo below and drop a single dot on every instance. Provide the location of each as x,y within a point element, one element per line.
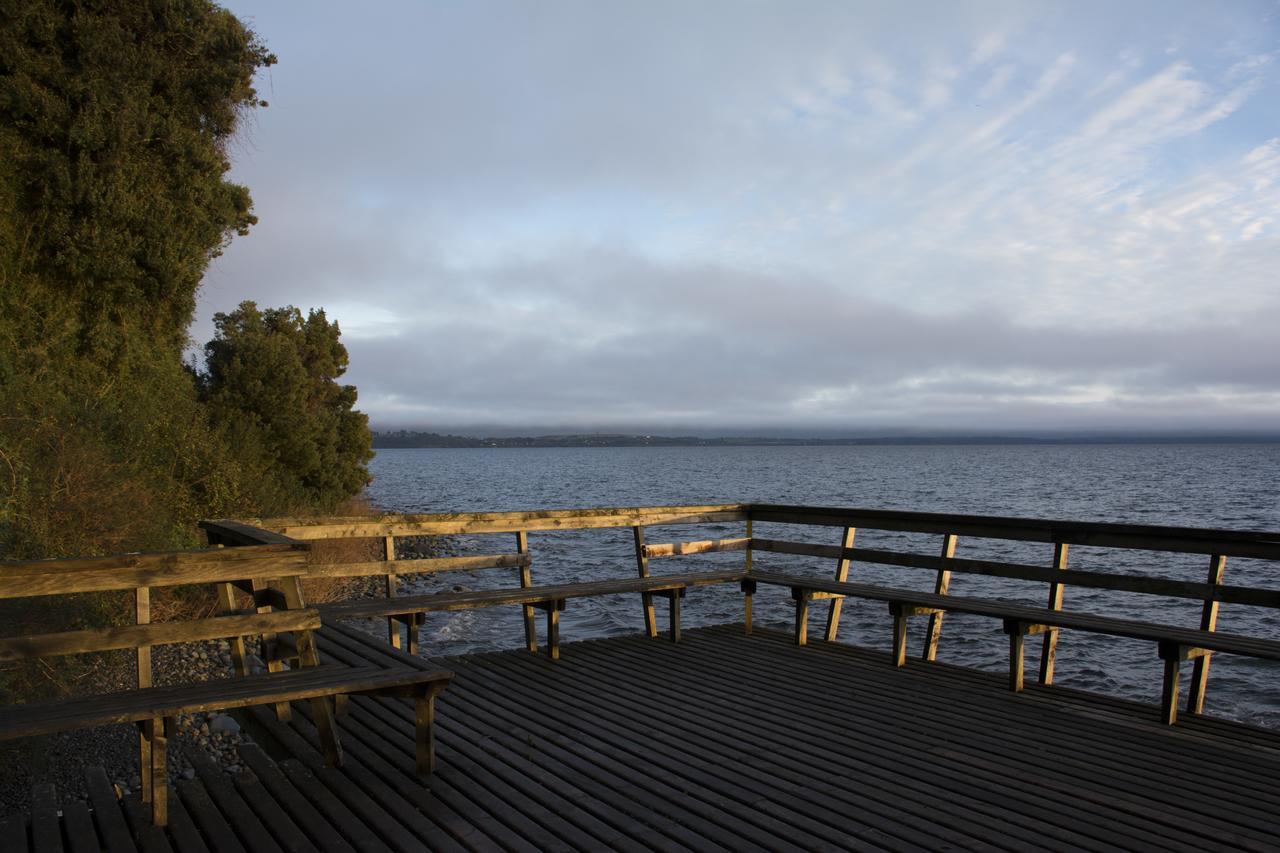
<point>731,742</point>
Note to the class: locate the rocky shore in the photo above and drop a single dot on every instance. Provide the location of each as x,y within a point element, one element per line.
<point>61,758</point>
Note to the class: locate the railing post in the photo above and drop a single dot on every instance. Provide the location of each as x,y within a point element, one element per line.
<point>940,587</point>
<point>642,566</point>
<point>389,554</point>
<point>1050,649</point>
<point>526,581</point>
<point>1208,622</point>
<point>842,574</point>
<point>142,614</point>
<point>748,590</point>
<point>748,586</point>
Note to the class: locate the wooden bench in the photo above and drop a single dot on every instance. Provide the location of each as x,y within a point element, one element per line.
<point>1174,644</point>
<point>269,574</point>
<point>405,615</point>
<point>411,610</point>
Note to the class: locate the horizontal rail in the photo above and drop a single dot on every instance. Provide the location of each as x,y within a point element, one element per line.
<point>707,546</point>
<point>226,531</point>
<point>472,599</point>
<point>1020,571</point>
<point>501,522</point>
<point>130,571</point>
<point>156,634</point>
<point>426,565</point>
<point>1231,543</point>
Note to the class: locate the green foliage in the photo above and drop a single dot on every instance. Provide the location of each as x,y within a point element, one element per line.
<point>272,389</point>
<point>114,124</point>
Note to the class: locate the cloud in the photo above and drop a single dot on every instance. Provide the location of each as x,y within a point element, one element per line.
<point>764,216</point>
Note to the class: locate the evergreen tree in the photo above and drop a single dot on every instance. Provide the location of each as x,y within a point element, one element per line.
<point>271,387</point>
<point>115,119</point>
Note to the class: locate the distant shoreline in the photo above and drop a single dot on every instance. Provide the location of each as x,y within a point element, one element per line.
<point>409,439</point>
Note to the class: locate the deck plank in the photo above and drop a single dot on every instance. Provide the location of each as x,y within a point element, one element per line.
<point>733,742</point>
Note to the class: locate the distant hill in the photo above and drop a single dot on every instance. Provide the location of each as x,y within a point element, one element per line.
<point>412,438</point>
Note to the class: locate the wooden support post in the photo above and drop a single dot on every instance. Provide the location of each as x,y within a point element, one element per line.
<point>748,590</point>
<point>227,601</point>
<point>526,581</point>
<point>674,613</point>
<point>801,597</point>
<point>1172,656</point>
<point>1050,648</point>
<point>425,732</point>
<point>842,574</point>
<point>1016,657</point>
<point>1208,622</point>
<point>322,710</point>
<point>157,769</point>
<point>413,629</point>
<point>553,628</point>
<point>142,614</point>
<point>393,625</point>
<point>642,566</point>
<point>900,614</point>
<point>940,586</point>
<point>261,593</point>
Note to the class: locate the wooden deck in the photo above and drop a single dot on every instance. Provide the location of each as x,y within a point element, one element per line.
<point>723,741</point>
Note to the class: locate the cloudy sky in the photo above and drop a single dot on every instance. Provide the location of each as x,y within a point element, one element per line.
<point>749,216</point>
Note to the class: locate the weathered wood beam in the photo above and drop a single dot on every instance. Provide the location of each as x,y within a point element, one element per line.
<point>706,546</point>
<point>1049,649</point>
<point>940,587</point>
<point>154,634</point>
<point>423,566</point>
<point>130,571</point>
<point>842,574</point>
<point>1208,622</point>
<point>526,582</point>
<point>1236,543</point>
<point>502,522</point>
<point>1019,571</point>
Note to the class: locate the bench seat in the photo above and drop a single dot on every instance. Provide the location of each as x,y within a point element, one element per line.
<point>411,608</point>
<point>149,703</point>
<point>1174,644</point>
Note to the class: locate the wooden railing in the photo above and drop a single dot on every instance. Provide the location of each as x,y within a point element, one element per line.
<point>519,524</point>
<point>1054,576</point>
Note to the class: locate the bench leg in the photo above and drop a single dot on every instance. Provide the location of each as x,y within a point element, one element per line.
<point>802,619</point>
<point>646,604</point>
<point>341,704</point>
<point>1169,696</point>
<point>146,731</point>
<point>1199,678</point>
<point>1016,660</point>
<point>414,629</point>
<point>674,612</point>
<point>553,630</point>
<point>899,637</point>
<point>425,735</point>
<point>530,630</point>
<point>327,728</point>
<point>748,590</point>
<point>156,774</point>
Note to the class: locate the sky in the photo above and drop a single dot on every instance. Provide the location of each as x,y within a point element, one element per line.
<point>754,217</point>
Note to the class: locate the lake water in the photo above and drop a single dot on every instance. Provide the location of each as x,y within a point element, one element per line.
<point>1228,486</point>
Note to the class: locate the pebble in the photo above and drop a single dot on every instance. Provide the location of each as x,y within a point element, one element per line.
<point>115,748</point>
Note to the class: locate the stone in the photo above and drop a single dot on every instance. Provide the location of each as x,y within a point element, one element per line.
<point>225,725</point>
